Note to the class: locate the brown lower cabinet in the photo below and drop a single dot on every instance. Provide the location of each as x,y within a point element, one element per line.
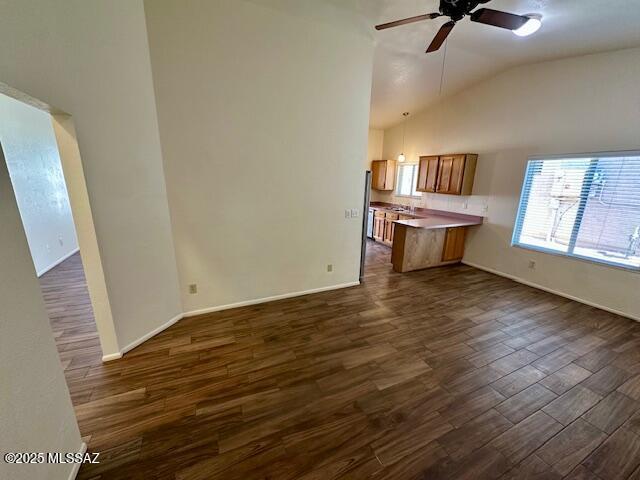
<point>389,227</point>
<point>388,232</point>
<point>383,226</point>
<point>454,244</point>
<point>418,248</point>
<point>378,226</point>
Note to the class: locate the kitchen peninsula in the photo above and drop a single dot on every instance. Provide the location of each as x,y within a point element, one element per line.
<point>420,237</point>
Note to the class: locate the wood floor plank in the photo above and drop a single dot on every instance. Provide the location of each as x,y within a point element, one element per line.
<point>360,464</point>
<point>467,407</point>
<point>631,388</point>
<point>597,359</point>
<point>572,445</point>
<point>396,445</point>
<point>606,380</point>
<point>572,404</point>
<point>474,434</point>
<point>582,473</point>
<point>524,438</point>
<point>611,412</point>
<point>617,457</point>
<point>486,463</point>
<point>633,424</point>
<point>396,372</point>
<point>364,355</point>
<point>513,361</point>
<point>532,468</point>
<point>410,467</point>
<point>525,403</point>
<point>517,381</point>
<point>554,361</point>
<point>472,379</point>
<point>485,357</point>
<point>565,378</point>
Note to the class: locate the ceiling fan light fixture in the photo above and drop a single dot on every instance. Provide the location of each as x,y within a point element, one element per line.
<point>532,26</point>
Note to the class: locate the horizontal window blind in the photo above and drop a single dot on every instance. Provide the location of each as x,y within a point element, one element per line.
<point>585,206</point>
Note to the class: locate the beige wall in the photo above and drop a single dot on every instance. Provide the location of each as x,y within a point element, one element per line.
<point>65,136</point>
<point>263,116</point>
<point>33,161</point>
<point>583,104</point>
<point>90,58</point>
<point>374,147</point>
<point>36,414</point>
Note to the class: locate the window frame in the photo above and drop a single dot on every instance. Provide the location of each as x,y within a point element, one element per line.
<point>522,210</point>
<point>414,182</point>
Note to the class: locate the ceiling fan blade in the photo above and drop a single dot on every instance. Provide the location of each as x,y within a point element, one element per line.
<point>417,18</point>
<point>441,36</point>
<point>498,18</point>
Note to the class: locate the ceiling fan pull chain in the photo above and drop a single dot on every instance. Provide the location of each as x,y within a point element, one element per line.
<point>444,59</point>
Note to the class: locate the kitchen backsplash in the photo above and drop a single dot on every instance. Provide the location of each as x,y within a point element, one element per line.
<point>471,205</point>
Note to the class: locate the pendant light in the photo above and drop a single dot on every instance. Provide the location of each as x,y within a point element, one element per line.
<point>401,157</point>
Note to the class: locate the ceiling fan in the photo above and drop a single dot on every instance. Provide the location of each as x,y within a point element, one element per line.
<point>456,10</point>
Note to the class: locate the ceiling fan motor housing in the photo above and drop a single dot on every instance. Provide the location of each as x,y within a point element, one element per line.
<point>457,9</point>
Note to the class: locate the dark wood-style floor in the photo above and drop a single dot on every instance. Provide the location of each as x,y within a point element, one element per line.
<point>446,373</point>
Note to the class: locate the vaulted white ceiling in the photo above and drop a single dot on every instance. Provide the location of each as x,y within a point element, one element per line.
<point>407,79</point>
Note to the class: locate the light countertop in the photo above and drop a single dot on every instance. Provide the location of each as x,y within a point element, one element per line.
<point>440,221</point>
<point>426,218</point>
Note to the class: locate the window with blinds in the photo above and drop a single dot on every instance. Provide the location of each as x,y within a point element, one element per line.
<point>584,206</point>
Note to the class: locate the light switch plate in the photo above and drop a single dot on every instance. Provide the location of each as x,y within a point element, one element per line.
<point>354,213</point>
<point>347,213</point>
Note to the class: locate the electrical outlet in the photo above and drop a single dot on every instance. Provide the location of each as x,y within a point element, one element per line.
<point>347,213</point>
<point>354,213</point>
<point>532,264</point>
<point>193,288</point>
<point>330,268</point>
<point>465,204</point>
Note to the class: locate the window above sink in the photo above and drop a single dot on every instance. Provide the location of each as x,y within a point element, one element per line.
<point>407,181</point>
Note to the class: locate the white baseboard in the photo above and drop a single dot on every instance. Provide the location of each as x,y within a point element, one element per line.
<point>153,333</point>
<point>76,466</point>
<point>257,301</point>
<point>551,290</point>
<point>111,356</point>
<point>44,270</point>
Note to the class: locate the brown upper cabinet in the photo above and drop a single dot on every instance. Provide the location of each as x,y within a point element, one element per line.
<point>448,174</point>
<point>383,174</point>
<point>428,174</point>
